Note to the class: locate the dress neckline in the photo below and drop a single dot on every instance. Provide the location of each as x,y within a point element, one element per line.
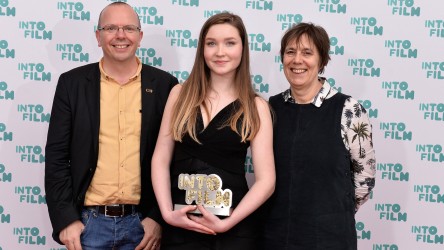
<point>210,122</point>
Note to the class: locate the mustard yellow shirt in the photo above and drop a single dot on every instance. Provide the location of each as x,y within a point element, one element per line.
<point>117,176</point>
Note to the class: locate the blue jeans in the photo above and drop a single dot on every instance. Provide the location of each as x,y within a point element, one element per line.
<point>106,233</point>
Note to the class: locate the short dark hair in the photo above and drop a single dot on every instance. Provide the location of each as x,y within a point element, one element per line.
<point>315,34</point>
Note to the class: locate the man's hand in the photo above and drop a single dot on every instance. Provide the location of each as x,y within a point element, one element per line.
<point>153,234</point>
<point>70,235</point>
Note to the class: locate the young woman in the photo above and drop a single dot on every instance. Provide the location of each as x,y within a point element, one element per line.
<point>208,124</point>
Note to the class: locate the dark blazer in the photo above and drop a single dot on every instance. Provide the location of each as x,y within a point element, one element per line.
<point>72,143</point>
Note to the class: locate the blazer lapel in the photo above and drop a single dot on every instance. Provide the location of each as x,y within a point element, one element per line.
<point>92,93</point>
<point>148,93</point>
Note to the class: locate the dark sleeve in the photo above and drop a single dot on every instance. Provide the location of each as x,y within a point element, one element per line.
<point>58,184</point>
<point>167,82</point>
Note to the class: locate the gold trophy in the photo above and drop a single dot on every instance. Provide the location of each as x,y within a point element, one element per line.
<point>205,190</point>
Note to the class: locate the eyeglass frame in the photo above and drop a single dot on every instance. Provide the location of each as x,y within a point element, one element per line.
<point>103,28</point>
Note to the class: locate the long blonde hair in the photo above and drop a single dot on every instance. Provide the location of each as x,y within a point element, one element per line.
<point>197,86</point>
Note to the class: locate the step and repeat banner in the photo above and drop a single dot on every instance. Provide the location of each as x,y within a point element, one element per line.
<point>388,54</point>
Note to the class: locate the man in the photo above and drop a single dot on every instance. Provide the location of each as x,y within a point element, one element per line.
<point>104,125</point>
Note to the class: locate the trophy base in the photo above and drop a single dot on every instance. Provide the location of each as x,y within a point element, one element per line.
<point>223,211</point>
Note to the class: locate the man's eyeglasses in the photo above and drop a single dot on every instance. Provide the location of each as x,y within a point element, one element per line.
<point>112,29</point>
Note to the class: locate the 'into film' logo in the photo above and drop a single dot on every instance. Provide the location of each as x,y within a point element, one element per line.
<point>436,27</point>
<point>385,246</point>
<point>30,154</point>
<point>288,20</point>
<point>148,15</point>
<point>404,8</point>
<point>4,134</point>
<point>5,51</point>
<point>189,3</point>
<point>259,5</point>
<point>259,85</point>
<point>5,9</point>
<point>335,49</point>
<point>33,113</point>
<point>396,131</point>
<point>427,234</point>
<point>181,38</point>
<point>35,30</point>
<point>390,212</point>
<point>401,48</point>
<point>364,67</point>
<point>431,111</point>
<point>249,168</point>
<point>430,153</point>
<point>429,193</point>
<point>370,196</point>
<point>6,94</point>
<point>277,60</point>
<point>332,6</point>
<point>367,26</point>
<point>367,104</point>
<point>180,75</point>
<point>148,56</point>
<point>29,236</point>
<point>4,176</point>
<point>35,72</point>
<point>398,90</point>
<point>434,70</point>
<point>361,233</point>
<point>210,13</point>
<point>72,52</point>
<point>30,195</point>
<point>392,172</point>
<point>257,42</point>
<point>4,218</point>
<point>73,11</point>
<point>332,83</point>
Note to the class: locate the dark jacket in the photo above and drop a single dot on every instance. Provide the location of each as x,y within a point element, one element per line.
<point>72,143</point>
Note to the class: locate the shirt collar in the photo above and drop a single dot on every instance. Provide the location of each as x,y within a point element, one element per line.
<point>324,93</point>
<point>108,77</point>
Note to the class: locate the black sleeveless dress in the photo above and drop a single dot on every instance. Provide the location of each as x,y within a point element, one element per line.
<point>221,152</point>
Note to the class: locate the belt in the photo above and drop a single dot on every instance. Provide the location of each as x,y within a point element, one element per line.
<point>115,210</point>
